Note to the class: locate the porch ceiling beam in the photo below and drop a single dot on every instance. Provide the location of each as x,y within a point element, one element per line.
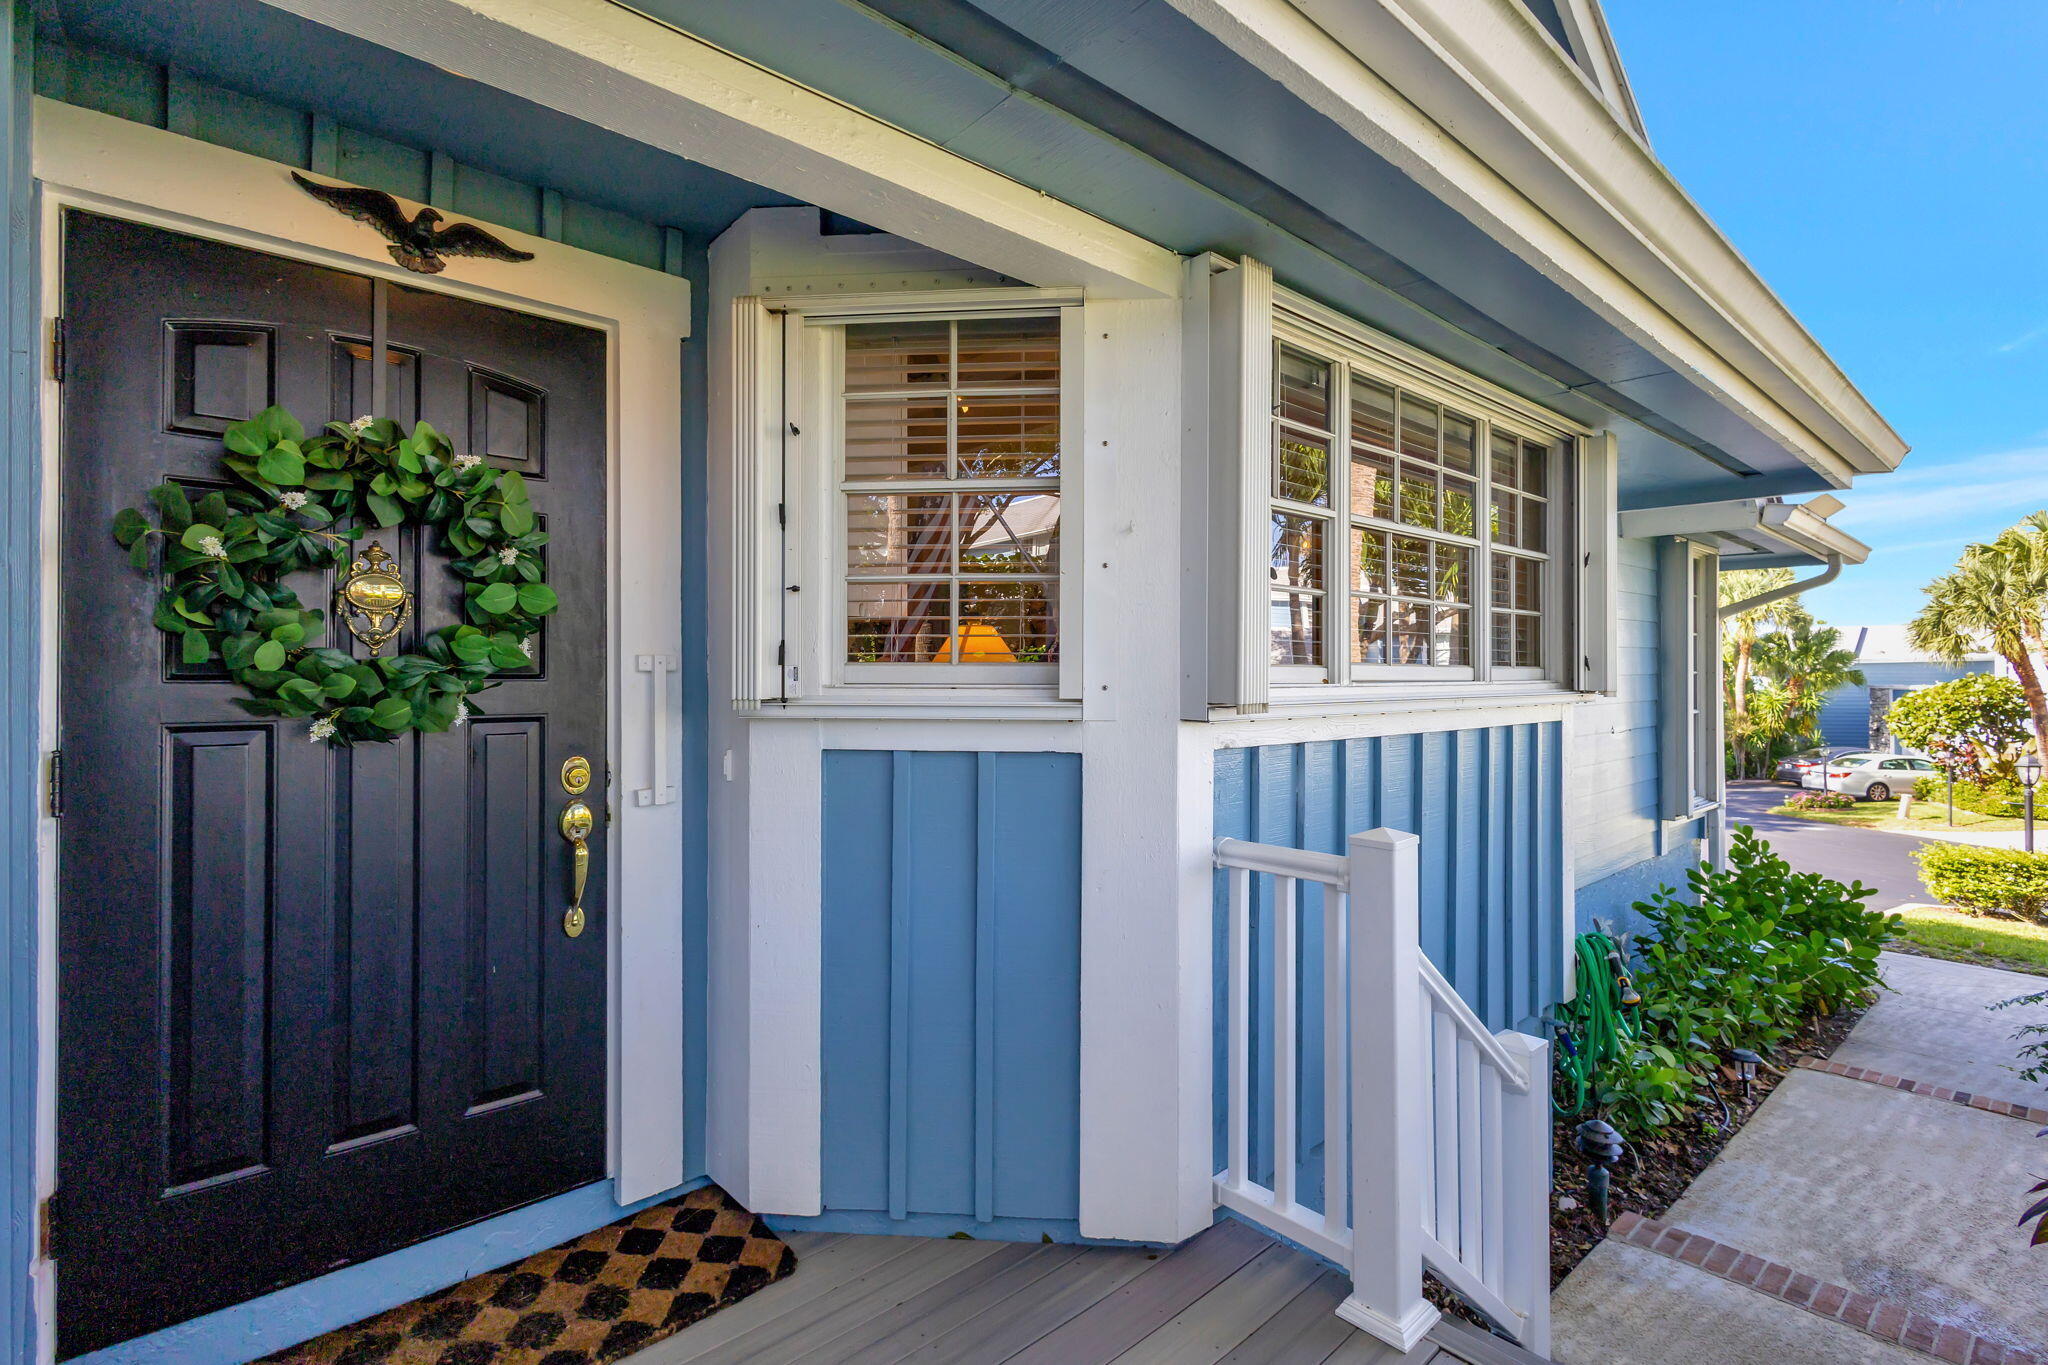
<point>1474,102</point>
<point>618,69</point>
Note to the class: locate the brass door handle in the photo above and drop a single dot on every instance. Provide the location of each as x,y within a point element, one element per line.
<point>577,822</point>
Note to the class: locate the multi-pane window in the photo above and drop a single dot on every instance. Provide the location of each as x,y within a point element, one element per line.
<point>1302,518</point>
<point>950,484</point>
<point>1380,553</point>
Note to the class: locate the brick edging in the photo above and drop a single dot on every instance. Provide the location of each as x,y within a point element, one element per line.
<point>1885,1319</point>
<point>2009,1108</point>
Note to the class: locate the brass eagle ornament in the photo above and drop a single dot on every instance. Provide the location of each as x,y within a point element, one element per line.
<point>416,242</point>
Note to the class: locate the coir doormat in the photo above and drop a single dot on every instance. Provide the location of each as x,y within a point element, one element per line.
<point>586,1302</point>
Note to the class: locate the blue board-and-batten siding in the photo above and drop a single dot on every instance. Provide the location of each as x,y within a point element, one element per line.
<point>1487,805</point>
<point>952,990</point>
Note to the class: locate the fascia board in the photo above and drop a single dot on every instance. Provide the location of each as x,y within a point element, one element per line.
<point>1519,142</point>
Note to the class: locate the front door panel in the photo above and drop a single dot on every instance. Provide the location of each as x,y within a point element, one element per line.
<point>314,1003</point>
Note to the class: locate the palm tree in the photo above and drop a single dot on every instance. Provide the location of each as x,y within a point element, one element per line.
<point>1740,633</point>
<point>1997,592</point>
<point>1808,662</point>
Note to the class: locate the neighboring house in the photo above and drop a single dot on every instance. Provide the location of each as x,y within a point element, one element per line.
<point>990,452</point>
<point>1891,668</point>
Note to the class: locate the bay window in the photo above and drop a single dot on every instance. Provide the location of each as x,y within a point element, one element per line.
<point>1411,535</point>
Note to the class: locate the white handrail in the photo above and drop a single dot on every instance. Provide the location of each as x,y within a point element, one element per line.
<point>1327,868</point>
<point>1435,1129</point>
<point>1469,1025</point>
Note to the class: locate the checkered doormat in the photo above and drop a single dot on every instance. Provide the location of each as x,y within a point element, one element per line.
<point>586,1302</point>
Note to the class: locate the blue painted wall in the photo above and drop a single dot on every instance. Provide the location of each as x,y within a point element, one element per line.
<point>165,96</point>
<point>952,996</point>
<point>1487,804</point>
<point>1609,903</point>
<point>1845,713</point>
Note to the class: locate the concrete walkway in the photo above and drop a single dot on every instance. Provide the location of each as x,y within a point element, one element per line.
<point>1844,1199</point>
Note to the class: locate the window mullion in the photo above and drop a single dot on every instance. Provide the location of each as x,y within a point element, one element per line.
<point>1482,586</point>
<point>1337,575</point>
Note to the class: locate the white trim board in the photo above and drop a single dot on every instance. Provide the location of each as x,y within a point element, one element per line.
<point>127,170</point>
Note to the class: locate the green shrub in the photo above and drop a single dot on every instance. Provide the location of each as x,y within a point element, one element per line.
<point>1754,952</point>
<point>1822,801</point>
<point>1986,798</point>
<point>1981,879</point>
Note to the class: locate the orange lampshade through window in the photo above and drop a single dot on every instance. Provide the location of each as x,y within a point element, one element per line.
<point>977,642</point>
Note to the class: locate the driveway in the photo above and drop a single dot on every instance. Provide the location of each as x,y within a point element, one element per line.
<point>1858,1216</point>
<point>1877,858</point>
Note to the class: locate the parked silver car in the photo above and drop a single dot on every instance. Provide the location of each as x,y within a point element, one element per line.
<point>1792,769</point>
<point>1870,777</point>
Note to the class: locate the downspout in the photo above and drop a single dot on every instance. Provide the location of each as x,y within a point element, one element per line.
<point>1821,579</point>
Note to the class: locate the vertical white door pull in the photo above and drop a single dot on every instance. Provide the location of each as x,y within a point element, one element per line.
<point>660,667</point>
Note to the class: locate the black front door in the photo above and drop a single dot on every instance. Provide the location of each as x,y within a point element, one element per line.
<point>313,1004</point>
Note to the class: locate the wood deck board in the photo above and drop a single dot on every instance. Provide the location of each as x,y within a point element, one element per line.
<point>1216,1323</point>
<point>1229,1297</point>
<point>788,1336</point>
<point>1361,1349</point>
<point>914,1323</point>
<point>1130,1314</point>
<point>1306,1327</point>
<point>819,1274</point>
<point>1474,1347</point>
<point>1022,1319</point>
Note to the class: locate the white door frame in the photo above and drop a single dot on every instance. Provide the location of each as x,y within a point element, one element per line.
<point>127,170</point>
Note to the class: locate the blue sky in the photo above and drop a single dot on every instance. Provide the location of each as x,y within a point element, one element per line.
<point>1884,166</point>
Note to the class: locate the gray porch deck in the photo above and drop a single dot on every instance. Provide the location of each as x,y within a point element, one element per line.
<point>1231,1295</point>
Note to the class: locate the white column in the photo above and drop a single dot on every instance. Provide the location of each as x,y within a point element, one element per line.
<point>1389,1127</point>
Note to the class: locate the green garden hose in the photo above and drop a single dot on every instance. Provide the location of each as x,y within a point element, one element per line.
<point>1596,1024</point>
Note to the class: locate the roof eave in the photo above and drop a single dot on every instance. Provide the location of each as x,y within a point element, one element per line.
<point>1556,175</point>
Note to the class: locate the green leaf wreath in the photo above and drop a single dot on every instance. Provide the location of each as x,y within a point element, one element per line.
<point>299,503</point>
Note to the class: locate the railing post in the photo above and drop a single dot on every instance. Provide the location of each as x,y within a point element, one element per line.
<point>1525,1137</point>
<point>1389,1126</point>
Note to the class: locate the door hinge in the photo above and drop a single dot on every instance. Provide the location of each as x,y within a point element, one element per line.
<point>46,1228</point>
<point>781,514</point>
<point>779,647</point>
<point>53,784</point>
<point>57,349</point>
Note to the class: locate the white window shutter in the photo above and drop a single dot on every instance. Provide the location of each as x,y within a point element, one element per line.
<point>755,423</point>
<point>1240,479</point>
<point>1596,661</point>
<point>1677,682</point>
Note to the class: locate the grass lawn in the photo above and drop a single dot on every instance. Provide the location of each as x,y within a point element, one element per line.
<point>1988,941</point>
<point>1926,815</point>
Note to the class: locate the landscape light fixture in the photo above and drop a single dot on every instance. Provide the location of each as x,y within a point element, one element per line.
<point>1745,1067</point>
<point>1596,1140</point>
<point>2030,773</point>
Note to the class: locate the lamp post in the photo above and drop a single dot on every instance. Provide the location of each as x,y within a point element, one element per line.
<point>2030,773</point>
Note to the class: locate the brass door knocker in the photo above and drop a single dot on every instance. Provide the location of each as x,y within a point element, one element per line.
<point>372,600</point>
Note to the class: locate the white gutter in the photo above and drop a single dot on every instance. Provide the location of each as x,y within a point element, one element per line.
<point>1760,526</point>
<point>1765,524</point>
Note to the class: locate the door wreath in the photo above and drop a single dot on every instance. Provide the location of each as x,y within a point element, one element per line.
<point>301,503</point>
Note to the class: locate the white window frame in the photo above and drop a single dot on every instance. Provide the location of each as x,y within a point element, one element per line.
<point>809,616</point>
<point>1305,326</point>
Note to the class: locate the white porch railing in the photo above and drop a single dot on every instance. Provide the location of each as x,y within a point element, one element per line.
<point>1436,1131</point>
